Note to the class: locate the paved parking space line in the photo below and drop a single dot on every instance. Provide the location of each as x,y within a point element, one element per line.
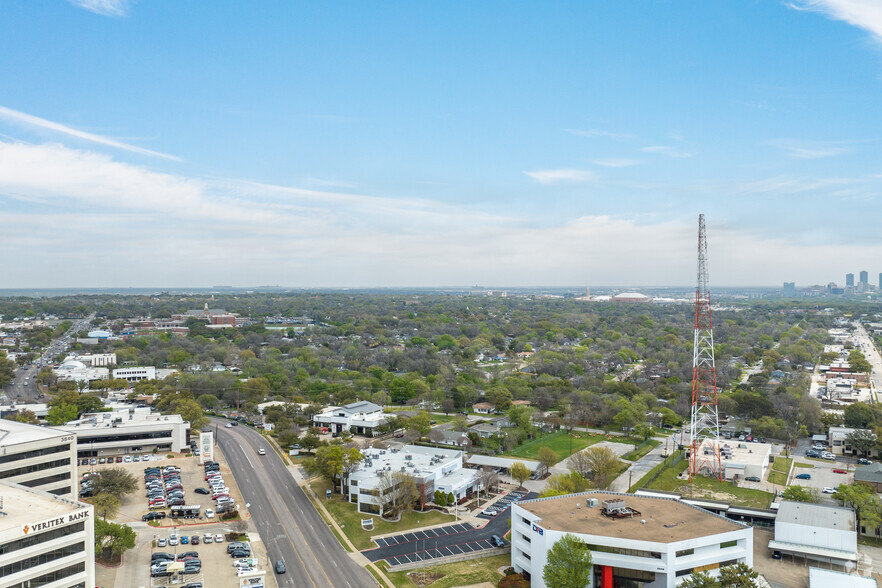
<point>450,552</point>
<point>435,532</point>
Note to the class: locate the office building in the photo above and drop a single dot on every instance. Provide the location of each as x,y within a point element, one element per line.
<point>44,458</point>
<point>128,430</point>
<point>650,541</point>
<point>431,468</point>
<point>849,280</point>
<point>865,281</point>
<point>45,540</point>
<point>789,290</point>
<point>361,418</point>
<point>135,374</point>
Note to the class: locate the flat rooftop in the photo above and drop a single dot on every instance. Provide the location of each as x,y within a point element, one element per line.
<point>667,520</point>
<point>13,433</point>
<point>24,505</point>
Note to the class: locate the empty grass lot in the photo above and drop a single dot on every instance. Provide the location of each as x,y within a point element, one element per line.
<point>800,464</point>
<point>461,573</point>
<point>349,519</point>
<point>559,442</point>
<point>710,488</point>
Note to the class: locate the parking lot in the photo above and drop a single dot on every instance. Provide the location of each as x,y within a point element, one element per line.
<point>216,565</point>
<point>420,535</point>
<point>436,552</point>
<point>503,503</point>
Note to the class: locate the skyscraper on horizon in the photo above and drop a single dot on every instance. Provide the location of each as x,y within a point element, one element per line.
<point>865,281</point>
<point>789,290</point>
<point>849,280</point>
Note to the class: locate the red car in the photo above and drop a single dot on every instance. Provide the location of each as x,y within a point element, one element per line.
<point>838,471</point>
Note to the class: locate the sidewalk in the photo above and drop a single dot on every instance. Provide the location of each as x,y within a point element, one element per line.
<point>643,465</point>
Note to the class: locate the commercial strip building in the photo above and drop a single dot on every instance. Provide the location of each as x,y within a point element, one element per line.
<point>653,540</point>
<point>45,540</point>
<point>827,534</point>
<point>128,430</point>
<point>431,468</point>
<point>837,439</point>
<point>501,463</point>
<point>74,370</point>
<point>135,374</point>
<point>362,418</point>
<point>42,458</point>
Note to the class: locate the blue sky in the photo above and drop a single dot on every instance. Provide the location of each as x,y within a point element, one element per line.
<point>447,143</point>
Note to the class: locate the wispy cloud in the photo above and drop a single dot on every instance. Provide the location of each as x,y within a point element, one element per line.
<point>35,121</point>
<point>559,176</point>
<point>615,162</point>
<point>666,150</point>
<point>811,149</point>
<point>104,7</point>
<point>328,183</point>
<point>599,133</point>
<point>865,14</point>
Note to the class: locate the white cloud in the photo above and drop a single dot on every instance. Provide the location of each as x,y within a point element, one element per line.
<point>104,7</point>
<point>666,150</point>
<point>615,162</point>
<point>558,176</point>
<point>865,14</point>
<point>811,149</point>
<point>598,133</point>
<point>35,121</point>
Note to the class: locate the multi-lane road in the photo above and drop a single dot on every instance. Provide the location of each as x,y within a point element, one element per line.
<point>287,522</point>
<point>23,388</point>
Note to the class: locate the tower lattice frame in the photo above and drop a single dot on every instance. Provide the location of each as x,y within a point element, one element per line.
<point>704,429</point>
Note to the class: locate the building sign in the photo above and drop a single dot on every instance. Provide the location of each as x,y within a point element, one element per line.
<point>51,523</point>
<point>206,446</point>
<point>538,529</point>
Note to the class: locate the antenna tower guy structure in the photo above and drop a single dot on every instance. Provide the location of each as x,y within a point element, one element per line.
<point>704,457</point>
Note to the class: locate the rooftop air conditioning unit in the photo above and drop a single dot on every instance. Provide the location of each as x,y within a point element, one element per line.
<point>591,503</point>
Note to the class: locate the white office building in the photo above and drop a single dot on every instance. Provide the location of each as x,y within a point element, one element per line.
<point>43,458</point>
<point>129,430</point>
<point>45,540</point>
<point>135,374</point>
<point>827,534</point>
<point>74,370</point>
<point>431,468</point>
<point>362,418</point>
<point>651,541</point>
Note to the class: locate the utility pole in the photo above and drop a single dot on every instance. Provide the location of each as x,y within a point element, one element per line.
<point>704,428</point>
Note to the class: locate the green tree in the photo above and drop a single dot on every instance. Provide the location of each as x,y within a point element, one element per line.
<point>115,481</point>
<point>603,464</point>
<point>858,362</point>
<point>568,564</point>
<point>113,537</point>
<point>420,422</point>
<point>62,413</point>
<point>547,457</point>
<point>699,580</point>
<point>738,575</point>
<point>859,415</point>
<point>862,440</point>
<point>451,499</point>
<point>800,494</point>
<point>106,504</point>
<point>561,484</point>
<point>7,370</point>
<point>519,472</point>
<point>440,498</point>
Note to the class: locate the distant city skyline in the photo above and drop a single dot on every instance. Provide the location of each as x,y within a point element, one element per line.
<point>410,144</point>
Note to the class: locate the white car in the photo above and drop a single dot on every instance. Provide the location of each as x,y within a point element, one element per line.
<point>828,490</point>
<point>218,538</point>
<point>229,426</point>
<point>246,562</point>
<point>261,451</point>
<point>173,540</point>
<point>209,513</point>
<point>208,538</point>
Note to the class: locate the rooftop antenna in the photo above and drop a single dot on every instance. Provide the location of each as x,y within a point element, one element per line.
<point>704,427</point>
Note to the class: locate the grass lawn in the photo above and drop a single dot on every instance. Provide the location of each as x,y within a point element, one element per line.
<point>349,518</point>
<point>462,573</point>
<point>559,442</point>
<point>782,464</point>
<point>776,477</point>
<point>799,464</point>
<point>641,451</point>
<point>710,488</point>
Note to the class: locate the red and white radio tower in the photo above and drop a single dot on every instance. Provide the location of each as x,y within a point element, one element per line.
<point>704,457</point>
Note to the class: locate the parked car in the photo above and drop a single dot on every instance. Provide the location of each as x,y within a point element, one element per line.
<point>153,516</point>
<point>828,490</point>
<point>229,425</point>
<point>812,453</point>
<point>194,540</point>
<point>202,491</point>
<point>497,541</point>
<point>828,455</point>
<point>839,471</point>
<point>218,538</point>
<point>803,476</point>
<point>752,479</point>
<point>184,555</point>
<point>864,461</point>
<point>161,542</point>
<point>208,538</point>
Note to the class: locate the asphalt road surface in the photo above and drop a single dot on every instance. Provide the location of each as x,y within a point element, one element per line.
<point>425,545</point>
<point>285,519</point>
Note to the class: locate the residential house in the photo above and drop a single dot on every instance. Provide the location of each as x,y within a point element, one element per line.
<point>482,408</point>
